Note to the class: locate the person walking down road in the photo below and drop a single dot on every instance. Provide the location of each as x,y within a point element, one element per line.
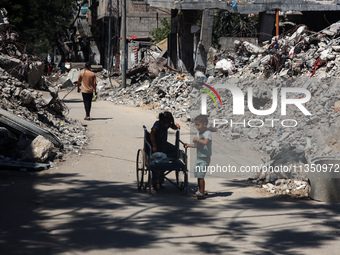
<point>87,82</point>
<point>203,143</point>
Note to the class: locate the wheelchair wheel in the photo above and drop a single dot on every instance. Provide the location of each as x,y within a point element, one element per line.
<point>182,180</point>
<point>140,168</point>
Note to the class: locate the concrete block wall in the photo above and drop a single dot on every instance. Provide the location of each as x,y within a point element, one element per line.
<point>102,9</point>
<point>141,25</point>
<point>250,6</point>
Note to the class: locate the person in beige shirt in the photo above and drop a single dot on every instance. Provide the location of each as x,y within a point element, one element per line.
<point>87,82</point>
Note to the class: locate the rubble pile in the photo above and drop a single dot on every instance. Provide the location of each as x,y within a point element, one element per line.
<point>299,53</point>
<point>317,133</point>
<point>41,108</point>
<point>302,58</point>
<point>286,187</point>
<point>168,93</point>
<point>33,126</point>
<point>288,61</point>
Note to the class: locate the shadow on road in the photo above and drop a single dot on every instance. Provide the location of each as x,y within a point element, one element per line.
<point>101,118</point>
<point>100,215</point>
<point>70,101</point>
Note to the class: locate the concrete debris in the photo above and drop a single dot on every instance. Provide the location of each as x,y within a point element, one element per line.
<point>32,98</point>
<point>39,150</point>
<point>17,62</point>
<point>287,154</point>
<point>73,75</point>
<point>251,48</point>
<point>159,65</point>
<point>225,66</point>
<point>285,187</point>
<point>25,96</point>
<point>42,108</point>
<point>302,59</point>
<point>164,93</point>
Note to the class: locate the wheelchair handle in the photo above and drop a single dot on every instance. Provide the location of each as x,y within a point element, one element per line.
<point>184,144</point>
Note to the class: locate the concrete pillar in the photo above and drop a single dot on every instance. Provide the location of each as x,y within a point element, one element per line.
<point>172,40</point>
<point>206,28</point>
<point>186,39</point>
<point>205,40</point>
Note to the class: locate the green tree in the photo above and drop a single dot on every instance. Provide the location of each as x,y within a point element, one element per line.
<point>228,24</point>
<point>41,24</point>
<point>162,33</point>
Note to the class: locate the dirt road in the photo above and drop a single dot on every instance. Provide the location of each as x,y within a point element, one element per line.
<point>90,204</point>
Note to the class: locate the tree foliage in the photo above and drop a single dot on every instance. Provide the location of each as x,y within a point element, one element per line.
<point>40,23</point>
<point>162,33</point>
<point>228,24</point>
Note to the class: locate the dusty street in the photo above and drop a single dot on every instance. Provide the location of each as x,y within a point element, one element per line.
<point>90,204</point>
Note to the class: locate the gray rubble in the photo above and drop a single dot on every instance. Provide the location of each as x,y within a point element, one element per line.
<point>30,106</point>
<point>167,93</point>
<point>301,58</point>
<point>288,187</point>
<point>39,150</point>
<point>44,109</point>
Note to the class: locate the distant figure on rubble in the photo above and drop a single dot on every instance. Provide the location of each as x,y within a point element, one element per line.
<point>62,67</point>
<point>88,83</point>
<point>45,66</point>
<point>49,68</point>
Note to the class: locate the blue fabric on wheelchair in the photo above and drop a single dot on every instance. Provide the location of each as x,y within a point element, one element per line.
<point>168,164</point>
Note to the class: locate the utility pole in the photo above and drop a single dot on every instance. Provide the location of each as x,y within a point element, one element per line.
<point>117,34</point>
<point>277,23</point>
<point>124,43</point>
<point>109,40</point>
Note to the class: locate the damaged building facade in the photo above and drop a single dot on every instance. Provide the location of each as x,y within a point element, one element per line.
<point>141,19</point>
<point>303,58</point>
<point>185,42</point>
<point>185,15</point>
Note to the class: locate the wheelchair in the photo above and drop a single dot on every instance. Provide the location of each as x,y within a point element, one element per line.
<point>147,168</point>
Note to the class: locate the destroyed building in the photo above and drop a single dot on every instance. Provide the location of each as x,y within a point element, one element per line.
<point>33,123</point>
<point>104,20</point>
<point>300,57</point>
<point>161,80</point>
<point>186,13</point>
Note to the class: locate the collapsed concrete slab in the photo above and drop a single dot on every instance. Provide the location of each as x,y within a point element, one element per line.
<point>158,66</point>
<point>73,75</point>
<point>34,73</point>
<point>10,64</point>
<point>39,150</point>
